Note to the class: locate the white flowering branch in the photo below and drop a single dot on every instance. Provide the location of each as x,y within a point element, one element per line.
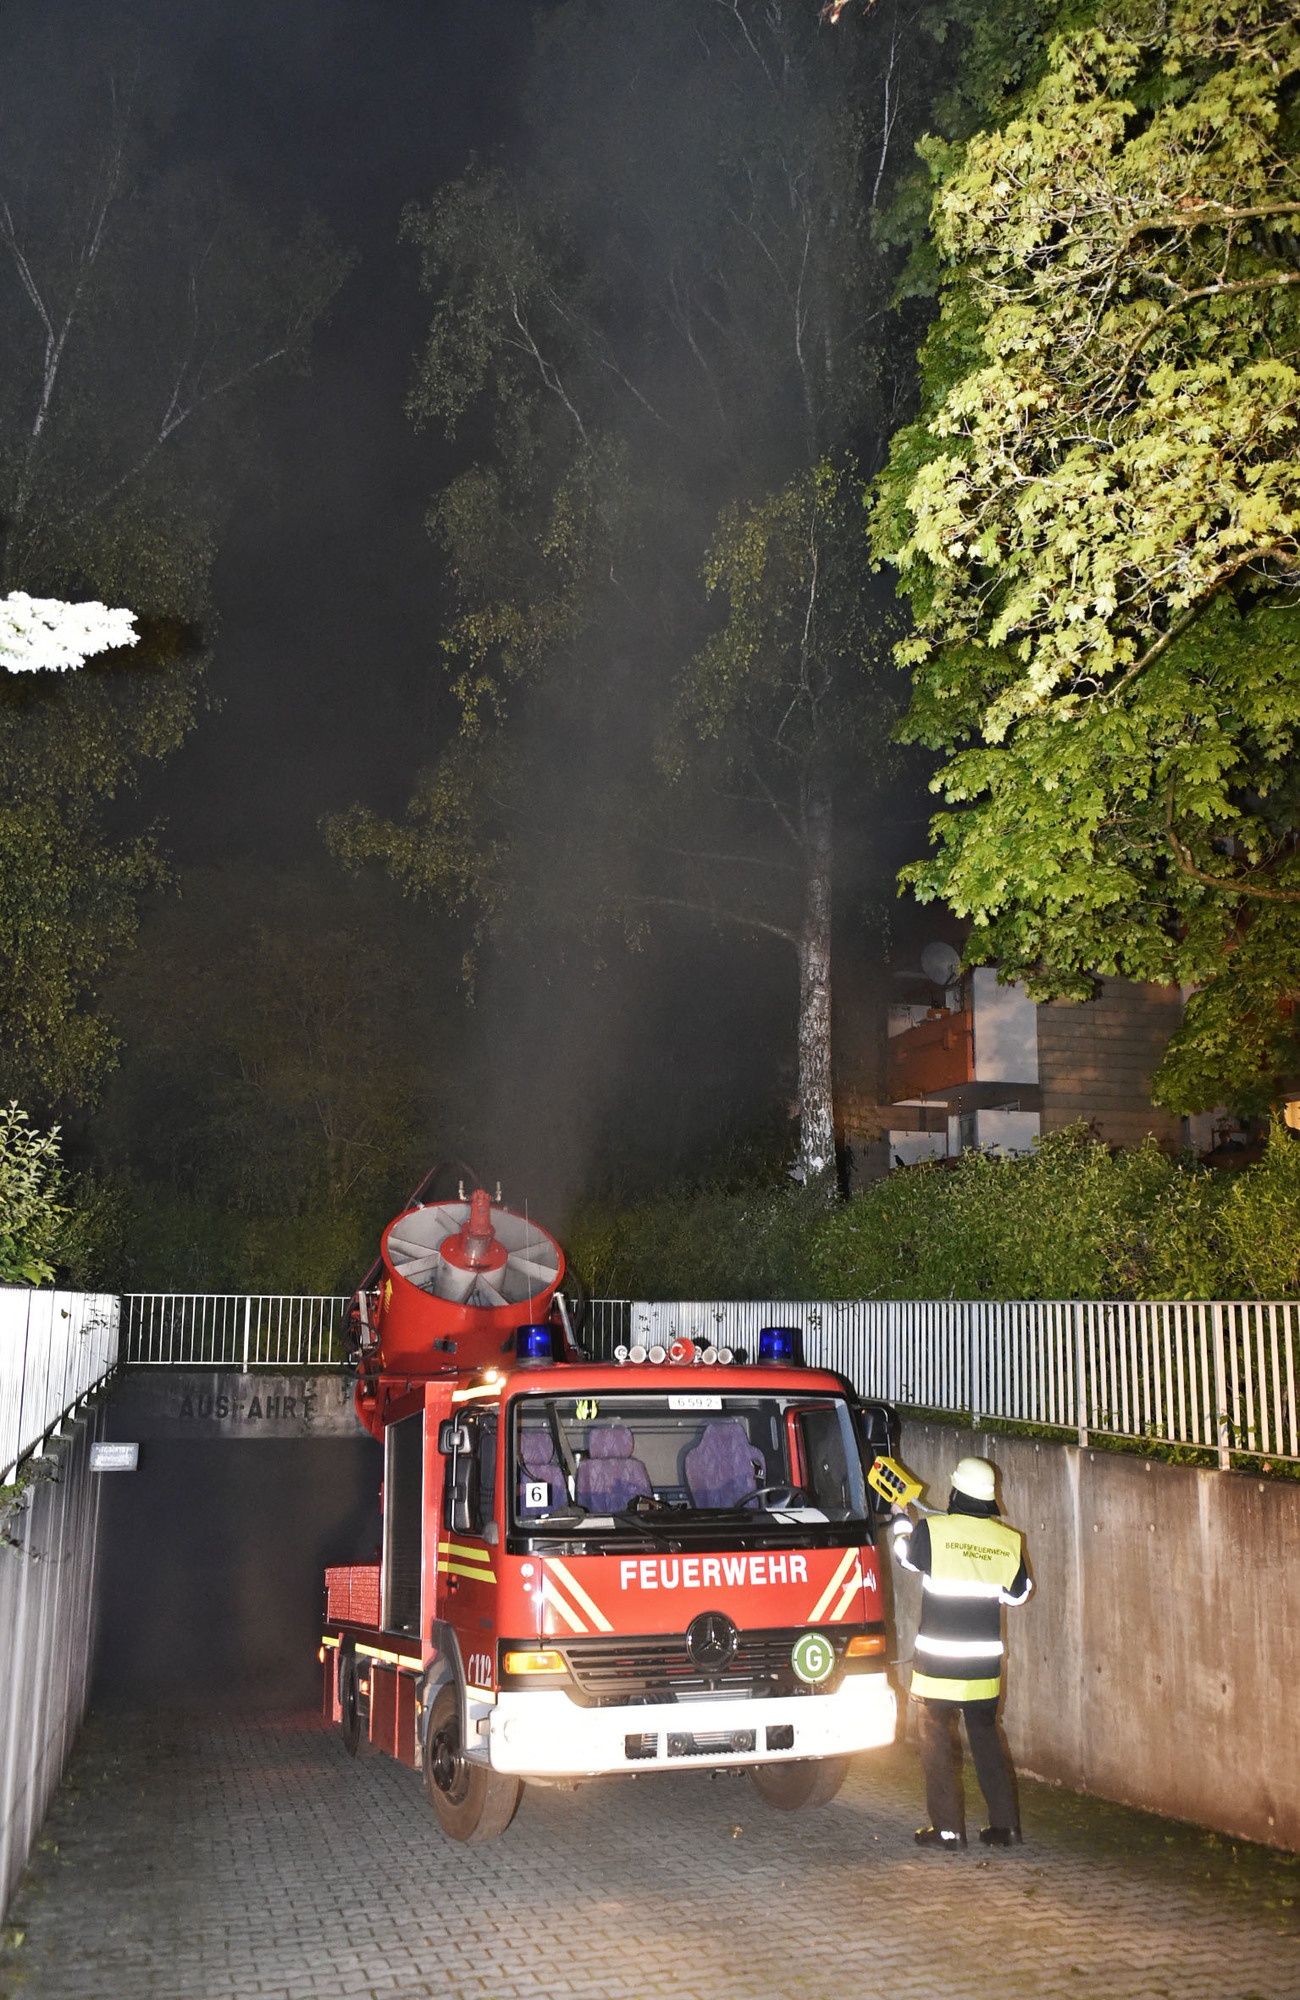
<point>43,634</point>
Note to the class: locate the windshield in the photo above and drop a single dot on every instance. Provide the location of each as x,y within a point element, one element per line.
<point>628,1463</point>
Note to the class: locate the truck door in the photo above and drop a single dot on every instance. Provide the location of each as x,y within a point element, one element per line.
<point>470,1544</point>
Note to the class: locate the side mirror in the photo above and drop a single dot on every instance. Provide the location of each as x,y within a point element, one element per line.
<point>456,1442</point>
<point>877,1428</point>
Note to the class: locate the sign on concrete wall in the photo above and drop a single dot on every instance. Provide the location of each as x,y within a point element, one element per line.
<point>216,1403</point>
<point>115,1458</point>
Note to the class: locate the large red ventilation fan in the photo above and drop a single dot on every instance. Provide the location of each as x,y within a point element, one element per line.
<point>455,1280</point>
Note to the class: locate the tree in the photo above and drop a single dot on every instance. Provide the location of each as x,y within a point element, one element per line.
<point>1097,523</point>
<point>770,715</point>
<point>122,448</point>
<point>652,341</point>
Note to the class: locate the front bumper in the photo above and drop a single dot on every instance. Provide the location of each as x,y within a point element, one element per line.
<point>542,1734</point>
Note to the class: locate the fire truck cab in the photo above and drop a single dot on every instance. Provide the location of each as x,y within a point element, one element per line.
<point>656,1563</point>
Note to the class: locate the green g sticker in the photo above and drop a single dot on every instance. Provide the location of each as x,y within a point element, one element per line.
<point>813,1658</point>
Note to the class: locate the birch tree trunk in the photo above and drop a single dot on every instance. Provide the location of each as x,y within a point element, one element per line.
<point>816,1100</point>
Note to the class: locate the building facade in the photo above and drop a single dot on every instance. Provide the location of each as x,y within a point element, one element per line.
<point>971,1062</point>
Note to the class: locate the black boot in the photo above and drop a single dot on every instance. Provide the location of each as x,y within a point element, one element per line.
<point>933,1836</point>
<point>999,1836</point>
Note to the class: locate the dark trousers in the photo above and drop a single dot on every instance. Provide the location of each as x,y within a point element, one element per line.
<point>940,1746</point>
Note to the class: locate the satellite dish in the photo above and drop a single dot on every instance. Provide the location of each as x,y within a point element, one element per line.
<point>940,963</point>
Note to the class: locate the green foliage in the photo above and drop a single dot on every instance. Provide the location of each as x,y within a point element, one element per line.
<point>88,1251</point>
<point>1241,1030</point>
<point>1097,522</point>
<point>287,1045</point>
<point>770,715</point>
<point>31,1212</point>
<point>513,340</point>
<point>1052,1225</point>
<point>785,682</point>
<point>173,1241</point>
<point>449,845</point>
<point>693,1243</point>
<point>69,886</point>
<point>980,58</point>
<point>55,1226</point>
<point>1259,1221</point>
<point>1072,1220</point>
<point>528,533</point>
<point>659,344</point>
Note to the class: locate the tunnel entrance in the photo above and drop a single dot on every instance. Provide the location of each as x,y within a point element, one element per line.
<point>212,1553</point>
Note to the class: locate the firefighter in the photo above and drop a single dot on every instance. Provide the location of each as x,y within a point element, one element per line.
<point>970,1565</point>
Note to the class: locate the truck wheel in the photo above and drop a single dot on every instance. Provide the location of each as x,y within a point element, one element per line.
<point>349,1702</point>
<point>472,1802</point>
<point>813,1781</point>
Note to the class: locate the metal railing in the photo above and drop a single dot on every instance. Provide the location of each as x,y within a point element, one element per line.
<point>229,1330</point>
<point>1217,1375</point>
<point>608,1324</point>
<point>55,1348</point>
<point>1220,1376</point>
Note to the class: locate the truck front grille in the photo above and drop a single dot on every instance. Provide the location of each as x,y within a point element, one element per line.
<point>612,1670</point>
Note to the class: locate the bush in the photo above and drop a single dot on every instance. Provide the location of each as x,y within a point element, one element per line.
<point>708,1243</point>
<point>184,1243</point>
<point>1258,1223</point>
<point>88,1249</point>
<point>1071,1220</point>
<point>31,1212</point>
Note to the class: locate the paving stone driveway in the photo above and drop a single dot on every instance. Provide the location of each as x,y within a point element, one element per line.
<point>193,1856</point>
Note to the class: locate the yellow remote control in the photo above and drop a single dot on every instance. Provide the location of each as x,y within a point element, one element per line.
<point>893,1481</point>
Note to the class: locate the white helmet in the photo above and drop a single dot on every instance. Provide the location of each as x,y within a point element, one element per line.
<point>975,1478</point>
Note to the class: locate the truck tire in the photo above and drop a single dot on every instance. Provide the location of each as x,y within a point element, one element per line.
<point>472,1801</point>
<point>351,1720</point>
<point>813,1781</point>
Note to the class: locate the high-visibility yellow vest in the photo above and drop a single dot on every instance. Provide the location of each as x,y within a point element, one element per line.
<point>973,1566</point>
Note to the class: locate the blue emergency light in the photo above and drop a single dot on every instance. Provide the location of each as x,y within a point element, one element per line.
<point>534,1343</point>
<point>781,1344</point>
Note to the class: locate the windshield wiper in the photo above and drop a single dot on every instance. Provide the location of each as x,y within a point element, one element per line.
<point>648,1525</point>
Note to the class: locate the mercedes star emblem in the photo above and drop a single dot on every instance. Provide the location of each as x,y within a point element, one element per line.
<point>710,1641</point>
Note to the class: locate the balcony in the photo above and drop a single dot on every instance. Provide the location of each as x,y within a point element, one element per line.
<point>933,1057</point>
<point>979,1056</point>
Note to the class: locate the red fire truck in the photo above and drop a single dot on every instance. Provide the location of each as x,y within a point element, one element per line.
<point>658,1562</point>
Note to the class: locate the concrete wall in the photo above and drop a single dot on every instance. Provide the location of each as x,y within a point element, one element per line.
<point>1156,1662</point>
<point>215,1550</point>
<point>48,1567</point>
